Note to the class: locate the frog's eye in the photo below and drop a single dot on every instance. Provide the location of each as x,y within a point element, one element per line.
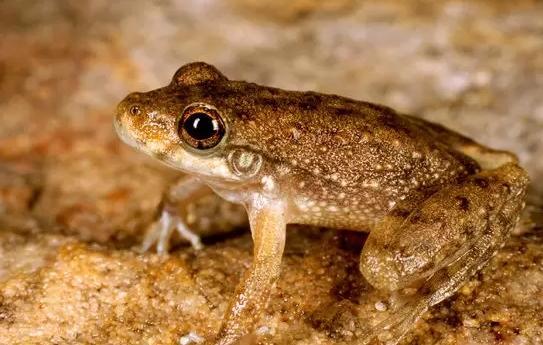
<point>201,126</point>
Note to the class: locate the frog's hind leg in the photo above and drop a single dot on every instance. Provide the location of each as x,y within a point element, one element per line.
<point>442,243</point>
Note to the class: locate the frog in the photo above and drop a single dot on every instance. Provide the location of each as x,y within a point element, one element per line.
<point>436,204</point>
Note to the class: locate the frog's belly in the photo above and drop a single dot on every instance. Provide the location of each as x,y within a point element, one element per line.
<point>347,215</point>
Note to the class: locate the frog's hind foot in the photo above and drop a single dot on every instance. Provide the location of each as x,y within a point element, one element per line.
<point>442,284</point>
<point>437,247</point>
<point>391,330</point>
<point>159,233</point>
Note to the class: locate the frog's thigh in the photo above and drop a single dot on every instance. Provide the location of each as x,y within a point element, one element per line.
<point>463,223</point>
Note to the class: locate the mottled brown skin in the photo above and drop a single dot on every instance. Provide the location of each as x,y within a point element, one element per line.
<point>437,204</point>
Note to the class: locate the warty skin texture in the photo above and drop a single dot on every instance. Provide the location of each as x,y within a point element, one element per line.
<point>437,204</point>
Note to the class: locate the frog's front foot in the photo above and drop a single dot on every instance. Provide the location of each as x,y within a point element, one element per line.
<point>191,339</point>
<point>161,230</point>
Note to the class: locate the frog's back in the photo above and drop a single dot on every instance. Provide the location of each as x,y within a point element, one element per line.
<point>341,153</point>
<point>337,135</point>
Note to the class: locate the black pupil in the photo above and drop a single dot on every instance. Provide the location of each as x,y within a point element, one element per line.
<point>201,126</point>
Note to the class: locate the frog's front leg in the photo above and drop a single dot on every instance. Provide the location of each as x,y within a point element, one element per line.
<point>268,223</point>
<point>442,242</point>
<point>168,218</point>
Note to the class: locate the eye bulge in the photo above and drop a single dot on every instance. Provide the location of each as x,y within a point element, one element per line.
<point>201,127</point>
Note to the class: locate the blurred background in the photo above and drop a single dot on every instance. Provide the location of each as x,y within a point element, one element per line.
<point>474,66</point>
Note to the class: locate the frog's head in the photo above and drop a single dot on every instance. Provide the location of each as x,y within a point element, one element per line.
<point>183,126</point>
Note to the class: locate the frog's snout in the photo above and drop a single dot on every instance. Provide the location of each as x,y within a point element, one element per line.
<point>127,115</point>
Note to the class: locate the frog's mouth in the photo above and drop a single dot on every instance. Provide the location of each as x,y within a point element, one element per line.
<point>138,144</point>
<point>208,169</point>
<point>125,136</point>
<point>211,169</point>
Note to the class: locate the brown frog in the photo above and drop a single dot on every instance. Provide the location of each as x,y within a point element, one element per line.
<point>437,205</point>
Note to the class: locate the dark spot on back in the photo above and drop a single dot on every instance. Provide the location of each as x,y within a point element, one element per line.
<point>463,203</point>
<point>390,119</point>
<point>400,212</point>
<point>415,218</point>
<point>480,182</point>
<point>470,165</point>
<point>310,101</point>
<point>243,113</point>
<point>429,266</point>
<point>425,290</point>
<point>270,102</point>
<point>301,127</point>
<point>341,111</point>
<point>469,230</point>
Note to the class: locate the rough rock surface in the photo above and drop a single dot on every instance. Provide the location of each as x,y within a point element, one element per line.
<point>74,201</point>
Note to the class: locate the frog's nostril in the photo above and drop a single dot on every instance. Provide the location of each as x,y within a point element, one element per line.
<point>131,104</point>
